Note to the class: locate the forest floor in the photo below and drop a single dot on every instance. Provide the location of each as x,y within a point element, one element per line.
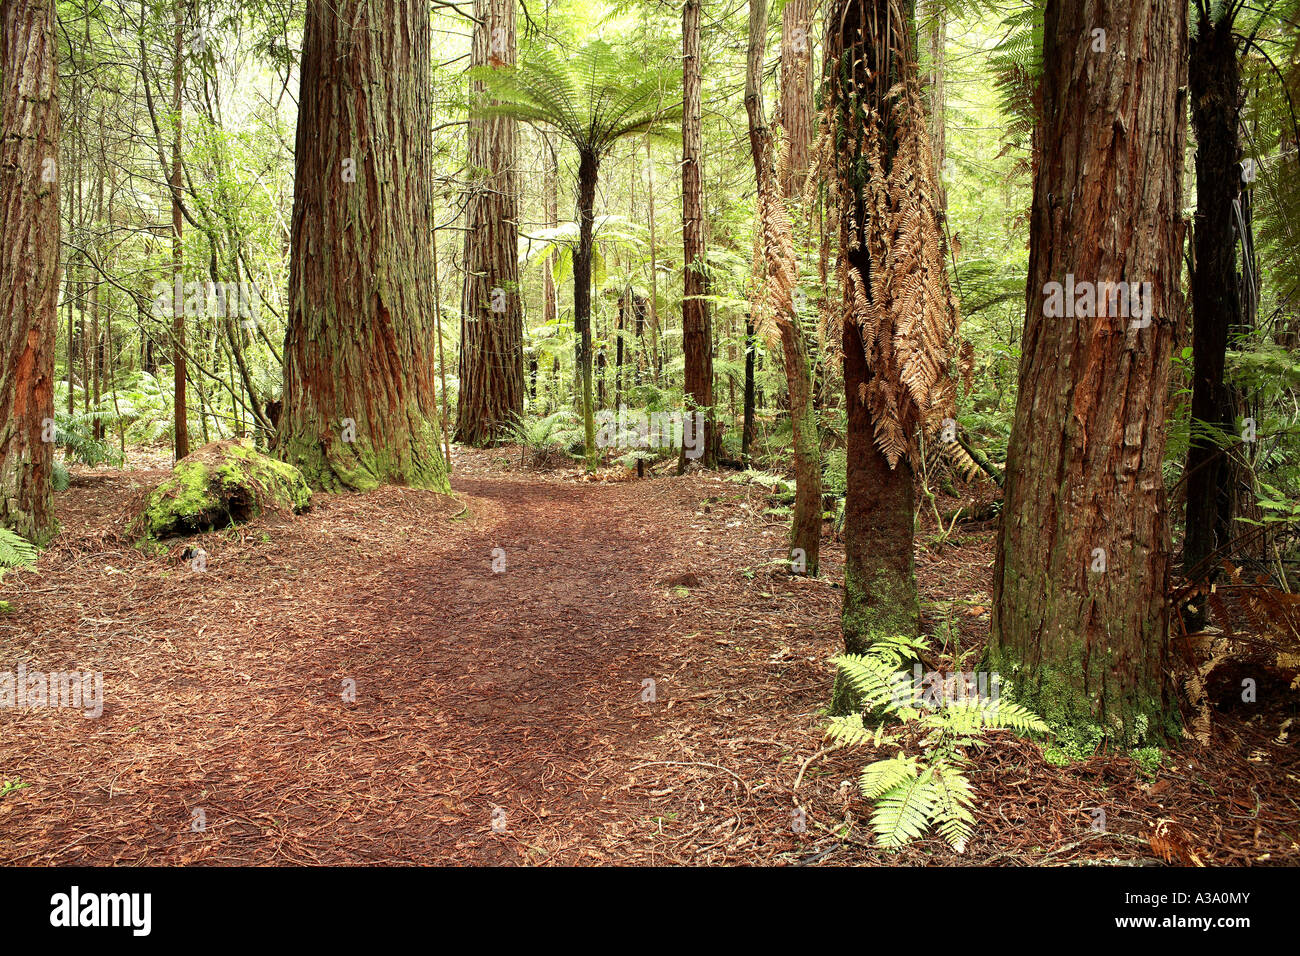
<point>501,717</point>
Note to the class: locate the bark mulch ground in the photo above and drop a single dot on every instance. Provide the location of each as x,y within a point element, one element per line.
<point>508,716</point>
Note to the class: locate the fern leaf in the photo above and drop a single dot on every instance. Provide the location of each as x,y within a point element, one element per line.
<point>884,775</point>
<point>903,813</point>
<point>15,550</point>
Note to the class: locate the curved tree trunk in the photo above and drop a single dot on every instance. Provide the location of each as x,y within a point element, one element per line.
<point>29,265</point>
<point>697,330</point>
<point>492,325</point>
<point>1081,568</point>
<point>359,400</point>
<point>782,274</point>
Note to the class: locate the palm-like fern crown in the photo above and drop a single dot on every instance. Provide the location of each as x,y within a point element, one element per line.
<point>874,153</point>
<point>593,97</point>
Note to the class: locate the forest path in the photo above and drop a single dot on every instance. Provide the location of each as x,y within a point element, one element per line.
<point>498,717</point>
<point>356,685</point>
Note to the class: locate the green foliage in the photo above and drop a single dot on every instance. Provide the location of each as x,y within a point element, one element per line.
<point>15,550</point>
<point>75,433</point>
<point>592,97</point>
<point>542,437</point>
<point>928,787</point>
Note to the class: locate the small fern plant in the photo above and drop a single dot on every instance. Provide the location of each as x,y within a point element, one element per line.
<point>540,436</point>
<point>928,787</point>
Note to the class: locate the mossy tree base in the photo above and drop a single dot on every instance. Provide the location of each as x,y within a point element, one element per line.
<point>221,483</point>
<point>331,464</point>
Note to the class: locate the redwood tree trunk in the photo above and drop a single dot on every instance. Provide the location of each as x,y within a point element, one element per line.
<point>1215,83</point>
<point>796,94</point>
<point>359,399</point>
<point>492,325</point>
<point>1080,618</point>
<point>697,332</point>
<point>29,265</point>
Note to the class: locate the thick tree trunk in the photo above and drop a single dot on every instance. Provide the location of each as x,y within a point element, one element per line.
<point>697,331</point>
<point>360,406</point>
<point>29,265</point>
<point>1080,617</point>
<point>880,595</point>
<point>1214,80</point>
<point>492,325</point>
<point>795,114</point>
<point>782,275</point>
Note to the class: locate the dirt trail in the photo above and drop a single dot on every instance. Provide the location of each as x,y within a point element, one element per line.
<point>498,715</point>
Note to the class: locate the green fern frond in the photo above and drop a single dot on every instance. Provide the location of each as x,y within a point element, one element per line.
<point>971,714</point>
<point>876,682</point>
<point>15,550</point>
<point>903,813</point>
<point>850,731</point>
<point>884,775</point>
<point>929,789</point>
<point>953,813</point>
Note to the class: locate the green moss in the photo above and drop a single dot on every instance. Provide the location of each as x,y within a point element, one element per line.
<point>1082,703</point>
<point>886,605</point>
<point>219,484</point>
<point>359,466</point>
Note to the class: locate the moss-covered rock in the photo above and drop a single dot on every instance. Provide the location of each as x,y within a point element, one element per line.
<point>221,483</point>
